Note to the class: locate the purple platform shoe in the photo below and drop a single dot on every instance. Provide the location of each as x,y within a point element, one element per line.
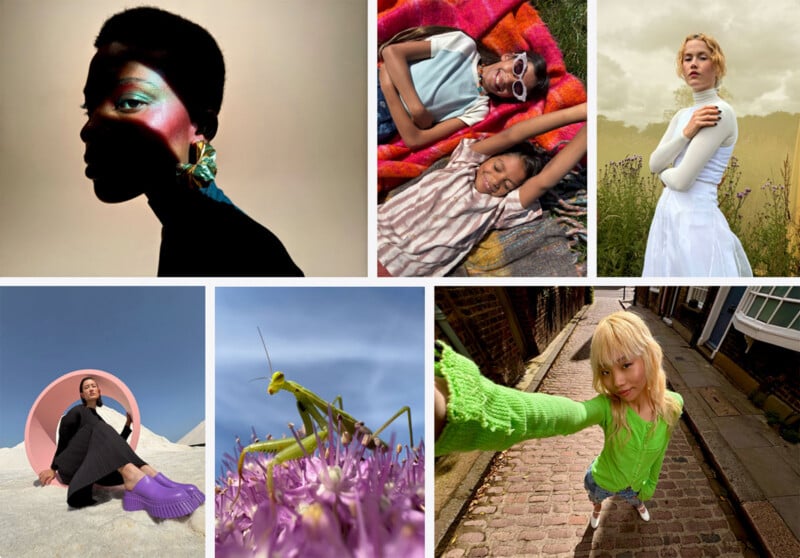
<point>159,501</point>
<point>196,495</point>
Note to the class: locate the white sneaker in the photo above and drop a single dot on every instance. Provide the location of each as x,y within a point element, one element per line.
<point>594,520</point>
<point>643,513</point>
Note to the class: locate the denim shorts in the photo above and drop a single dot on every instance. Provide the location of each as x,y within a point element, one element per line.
<point>386,126</point>
<point>597,494</point>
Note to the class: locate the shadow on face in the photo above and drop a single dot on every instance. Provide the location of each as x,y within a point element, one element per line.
<point>126,158</point>
<point>137,128</point>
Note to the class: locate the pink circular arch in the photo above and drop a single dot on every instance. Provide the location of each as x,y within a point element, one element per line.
<point>49,407</point>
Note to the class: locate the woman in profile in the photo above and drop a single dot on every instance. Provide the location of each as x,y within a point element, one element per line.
<point>689,235</point>
<point>152,98</point>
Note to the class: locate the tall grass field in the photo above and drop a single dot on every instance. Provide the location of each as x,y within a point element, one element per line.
<point>754,194</point>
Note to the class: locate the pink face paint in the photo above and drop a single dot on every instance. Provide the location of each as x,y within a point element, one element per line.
<point>138,130</point>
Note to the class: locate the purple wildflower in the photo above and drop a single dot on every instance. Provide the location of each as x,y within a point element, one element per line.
<point>340,500</point>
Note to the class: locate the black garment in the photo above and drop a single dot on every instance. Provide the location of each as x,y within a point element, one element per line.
<point>90,451</point>
<point>202,237</point>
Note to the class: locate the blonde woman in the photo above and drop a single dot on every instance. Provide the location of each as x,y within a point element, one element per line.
<point>689,235</point>
<point>633,407</point>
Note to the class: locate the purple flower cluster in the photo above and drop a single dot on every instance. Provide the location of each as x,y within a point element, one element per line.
<point>341,500</point>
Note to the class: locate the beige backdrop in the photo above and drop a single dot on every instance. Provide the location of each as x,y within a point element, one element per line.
<point>291,144</point>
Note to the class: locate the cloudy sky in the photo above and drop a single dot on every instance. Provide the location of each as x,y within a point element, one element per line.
<point>365,344</point>
<point>637,44</point>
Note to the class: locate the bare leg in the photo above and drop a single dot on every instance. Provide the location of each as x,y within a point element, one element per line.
<point>440,396</point>
<point>148,470</point>
<point>131,474</point>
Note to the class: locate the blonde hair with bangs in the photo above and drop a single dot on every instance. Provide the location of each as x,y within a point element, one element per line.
<point>717,56</point>
<point>624,334</point>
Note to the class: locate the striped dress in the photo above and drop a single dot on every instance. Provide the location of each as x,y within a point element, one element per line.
<point>427,229</point>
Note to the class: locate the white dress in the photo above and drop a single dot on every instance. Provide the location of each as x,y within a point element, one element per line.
<point>689,235</point>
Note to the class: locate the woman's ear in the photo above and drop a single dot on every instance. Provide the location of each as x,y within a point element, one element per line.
<point>206,125</point>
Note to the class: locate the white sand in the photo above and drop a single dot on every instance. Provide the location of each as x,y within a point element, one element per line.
<point>36,521</point>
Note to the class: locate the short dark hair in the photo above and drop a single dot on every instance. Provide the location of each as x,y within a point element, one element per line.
<point>534,158</point>
<point>182,51</point>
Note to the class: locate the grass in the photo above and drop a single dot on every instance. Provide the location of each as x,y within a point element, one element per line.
<point>566,20</point>
<point>626,200</point>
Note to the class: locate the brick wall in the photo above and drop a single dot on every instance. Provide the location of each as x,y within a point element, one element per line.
<point>502,328</point>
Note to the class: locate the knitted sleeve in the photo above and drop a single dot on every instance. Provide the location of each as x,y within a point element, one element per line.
<point>483,415</point>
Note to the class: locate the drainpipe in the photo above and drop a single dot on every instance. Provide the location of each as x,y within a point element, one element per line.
<point>452,337</point>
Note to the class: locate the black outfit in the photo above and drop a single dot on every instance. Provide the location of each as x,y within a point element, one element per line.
<point>202,237</point>
<point>90,451</point>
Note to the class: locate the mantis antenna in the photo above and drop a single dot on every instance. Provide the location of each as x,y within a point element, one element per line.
<point>265,349</point>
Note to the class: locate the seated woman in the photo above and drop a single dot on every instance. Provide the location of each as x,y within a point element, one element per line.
<point>152,97</point>
<point>90,452</point>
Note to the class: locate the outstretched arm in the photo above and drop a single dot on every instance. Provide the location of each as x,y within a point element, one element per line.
<point>414,136</point>
<point>473,413</point>
<point>527,129</point>
<point>564,161</point>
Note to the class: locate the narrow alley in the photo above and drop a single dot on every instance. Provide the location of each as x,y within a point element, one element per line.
<point>533,503</point>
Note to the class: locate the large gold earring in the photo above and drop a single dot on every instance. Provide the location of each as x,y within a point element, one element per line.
<point>201,169</point>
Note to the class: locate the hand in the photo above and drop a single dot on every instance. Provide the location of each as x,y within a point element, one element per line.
<point>46,476</point>
<point>128,420</point>
<point>703,117</point>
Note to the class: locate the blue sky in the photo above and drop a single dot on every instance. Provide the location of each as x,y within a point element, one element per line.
<point>363,343</point>
<point>153,338</point>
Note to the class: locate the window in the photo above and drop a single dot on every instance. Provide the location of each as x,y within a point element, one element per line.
<point>699,294</point>
<point>772,315</point>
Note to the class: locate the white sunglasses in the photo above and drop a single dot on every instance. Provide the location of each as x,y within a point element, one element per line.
<point>520,65</point>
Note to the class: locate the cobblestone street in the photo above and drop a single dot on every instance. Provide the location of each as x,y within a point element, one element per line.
<point>532,501</point>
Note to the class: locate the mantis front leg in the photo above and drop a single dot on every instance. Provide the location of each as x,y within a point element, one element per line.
<point>284,450</point>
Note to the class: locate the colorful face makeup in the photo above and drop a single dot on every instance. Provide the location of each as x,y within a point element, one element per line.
<point>137,129</point>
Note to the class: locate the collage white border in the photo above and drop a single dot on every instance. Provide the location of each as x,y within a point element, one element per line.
<point>371,280</point>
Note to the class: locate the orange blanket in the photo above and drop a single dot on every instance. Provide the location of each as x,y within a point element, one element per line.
<point>503,26</point>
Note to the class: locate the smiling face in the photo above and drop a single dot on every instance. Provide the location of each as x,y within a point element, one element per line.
<point>699,69</point>
<point>137,127</point>
<point>499,175</point>
<point>498,78</point>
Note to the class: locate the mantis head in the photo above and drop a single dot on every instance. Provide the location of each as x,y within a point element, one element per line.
<point>276,383</point>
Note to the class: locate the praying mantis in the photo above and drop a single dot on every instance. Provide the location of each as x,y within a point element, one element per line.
<point>313,411</point>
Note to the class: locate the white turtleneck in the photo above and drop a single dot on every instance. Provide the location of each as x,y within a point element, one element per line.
<point>697,152</point>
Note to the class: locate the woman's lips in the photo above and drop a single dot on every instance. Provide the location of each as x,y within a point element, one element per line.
<point>624,393</point>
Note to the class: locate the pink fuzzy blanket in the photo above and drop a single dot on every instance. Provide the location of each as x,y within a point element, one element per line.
<point>503,26</point>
